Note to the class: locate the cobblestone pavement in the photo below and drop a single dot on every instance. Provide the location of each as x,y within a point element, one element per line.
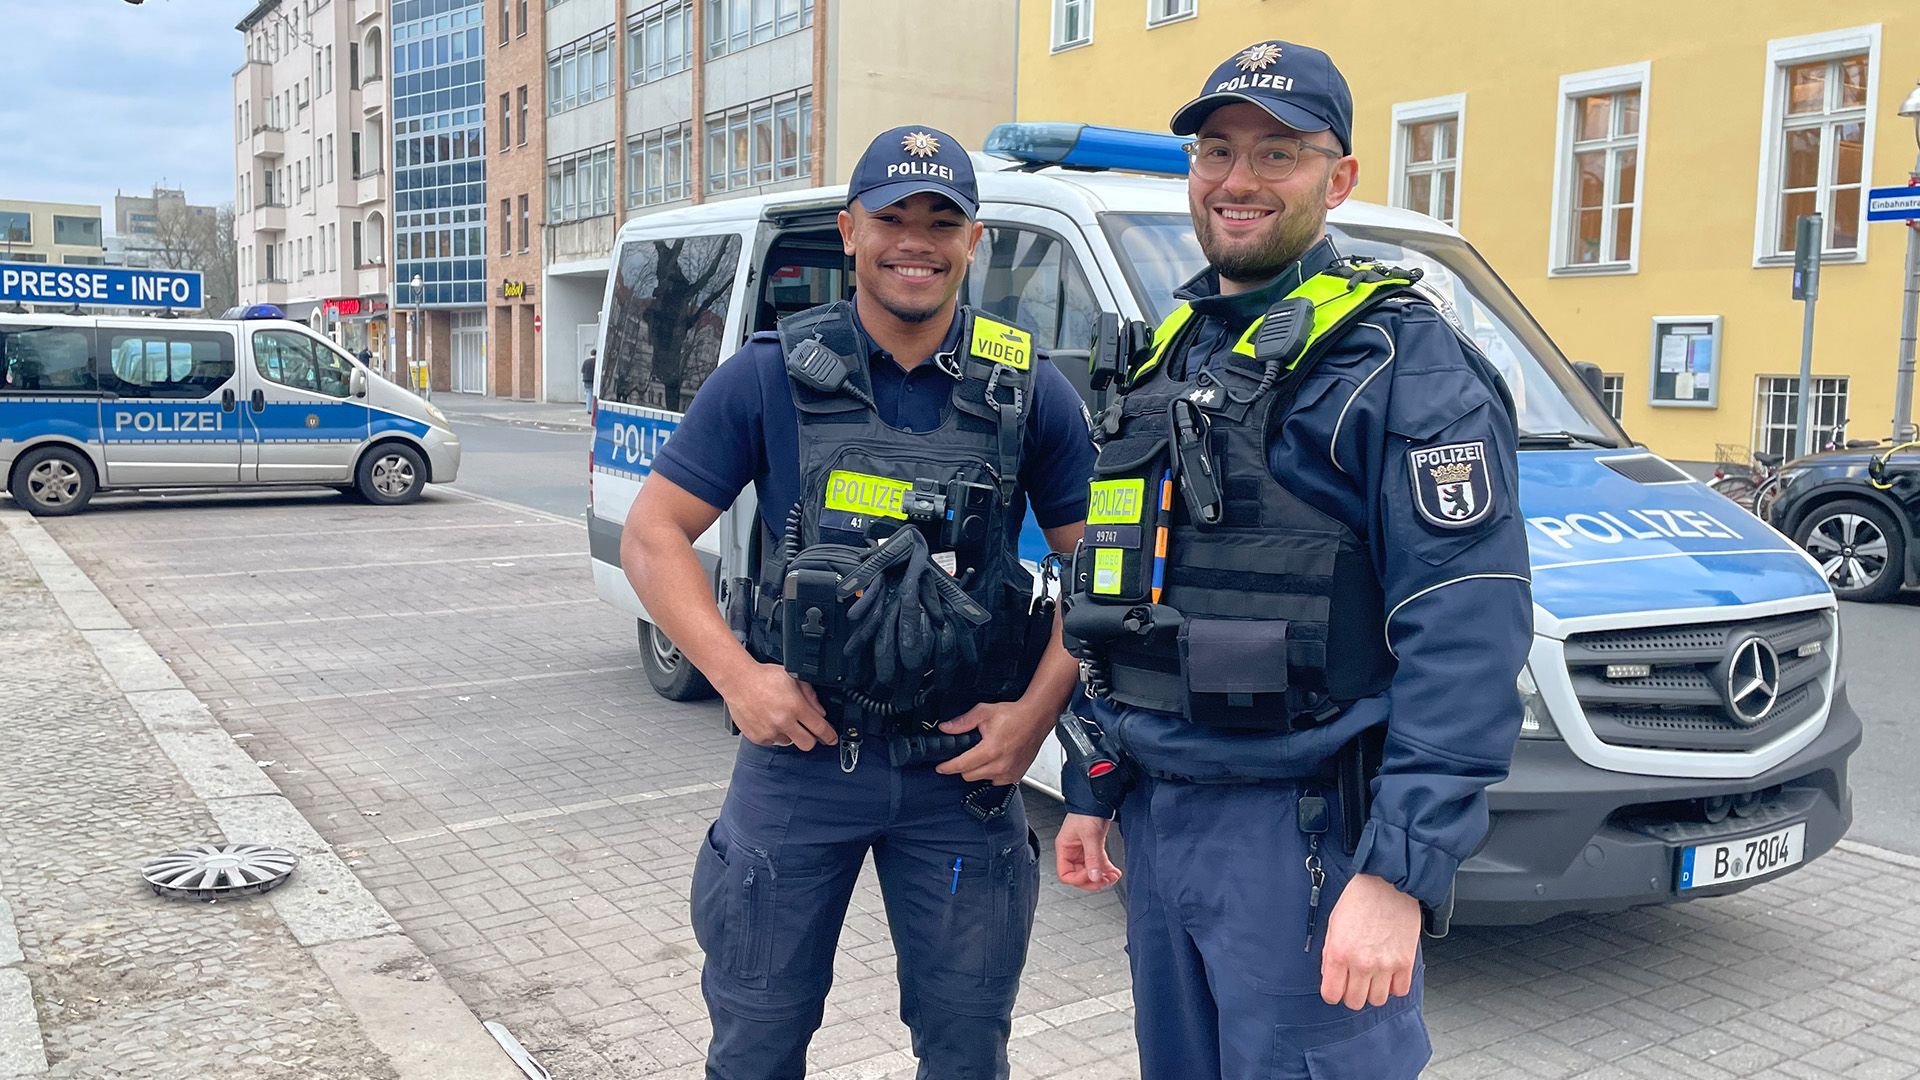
<point>442,696</point>
<point>125,983</point>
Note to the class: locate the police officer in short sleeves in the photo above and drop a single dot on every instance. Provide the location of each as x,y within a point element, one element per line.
<point>1345,566</point>
<point>833,420</point>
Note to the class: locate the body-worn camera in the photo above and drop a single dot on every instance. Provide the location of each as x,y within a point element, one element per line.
<point>953,517</point>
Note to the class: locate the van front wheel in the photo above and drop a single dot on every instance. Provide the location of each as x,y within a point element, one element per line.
<point>52,481</point>
<point>391,474</point>
<point>669,672</point>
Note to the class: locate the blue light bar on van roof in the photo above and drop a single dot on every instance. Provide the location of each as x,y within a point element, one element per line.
<point>263,311</point>
<point>1089,146</point>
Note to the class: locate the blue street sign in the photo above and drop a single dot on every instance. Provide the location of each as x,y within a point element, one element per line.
<point>98,286</point>
<point>1893,203</point>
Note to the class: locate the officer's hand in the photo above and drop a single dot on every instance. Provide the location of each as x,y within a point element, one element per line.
<point>1373,936</point>
<point>1010,735</point>
<point>1080,853</point>
<point>772,708</point>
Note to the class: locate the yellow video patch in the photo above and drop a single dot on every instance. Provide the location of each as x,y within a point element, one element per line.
<point>1117,502</point>
<point>1002,344</point>
<point>1106,571</point>
<point>859,493</point>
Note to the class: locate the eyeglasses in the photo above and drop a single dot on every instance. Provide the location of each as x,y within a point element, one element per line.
<point>1274,157</point>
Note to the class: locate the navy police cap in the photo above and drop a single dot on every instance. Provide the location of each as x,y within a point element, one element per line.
<point>908,160</point>
<point>1296,85</point>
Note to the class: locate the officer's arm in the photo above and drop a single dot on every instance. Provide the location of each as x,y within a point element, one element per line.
<point>656,552</point>
<point>1439,455</point>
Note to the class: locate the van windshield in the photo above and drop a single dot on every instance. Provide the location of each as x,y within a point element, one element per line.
<point>1158,253</point>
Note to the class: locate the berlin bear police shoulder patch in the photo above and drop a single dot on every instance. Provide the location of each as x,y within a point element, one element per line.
<point>1451,485</point>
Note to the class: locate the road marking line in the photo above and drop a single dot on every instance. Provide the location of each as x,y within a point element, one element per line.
<point>515,507</point>
<point>507,680</point>
<point>386,615</point>
<point>367,566</point>
<point>1885,855</point>
<point>308,535</point>
<point>523,816</point>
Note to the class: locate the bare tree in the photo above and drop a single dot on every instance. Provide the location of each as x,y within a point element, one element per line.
<point>184,240</point>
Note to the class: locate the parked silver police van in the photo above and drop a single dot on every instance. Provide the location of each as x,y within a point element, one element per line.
<point>1686,729</point>
<point>92,403</point>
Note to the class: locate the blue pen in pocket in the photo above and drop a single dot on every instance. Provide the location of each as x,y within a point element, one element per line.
<point>955,888</point>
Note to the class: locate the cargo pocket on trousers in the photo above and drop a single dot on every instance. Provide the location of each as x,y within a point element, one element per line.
<point>1396,1048</point>
<point>1236,672</point>
<point>1015,874</point>
<point>732,910</point>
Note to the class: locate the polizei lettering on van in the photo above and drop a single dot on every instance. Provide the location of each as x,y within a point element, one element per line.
<point>1609,527</point>
<point>159,423</point>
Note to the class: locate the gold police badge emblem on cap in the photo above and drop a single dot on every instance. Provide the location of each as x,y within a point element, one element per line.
<point>1259,57</point>
<point>920,144</point>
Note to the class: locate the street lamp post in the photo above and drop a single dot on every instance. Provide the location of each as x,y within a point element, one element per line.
<point>1903,430</point>
<point>419,342</point>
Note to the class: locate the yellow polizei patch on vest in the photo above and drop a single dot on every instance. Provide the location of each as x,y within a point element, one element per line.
<point>860,493</point>
<point>1002,344</point>
<point>1117,502</point>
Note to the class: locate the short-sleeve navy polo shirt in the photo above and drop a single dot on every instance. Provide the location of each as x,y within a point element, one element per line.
<point>742,428</point>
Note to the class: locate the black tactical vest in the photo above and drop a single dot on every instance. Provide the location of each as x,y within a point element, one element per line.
<point>1267,617</point>
<point>861,479</point>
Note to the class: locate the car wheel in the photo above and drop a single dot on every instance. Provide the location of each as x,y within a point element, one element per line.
<point>391,474</point>
<point>670,673</point>
<point>1859,547</point>
<point>53,481</point>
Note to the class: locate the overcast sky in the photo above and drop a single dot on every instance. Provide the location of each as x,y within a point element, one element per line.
<point>100,95</point>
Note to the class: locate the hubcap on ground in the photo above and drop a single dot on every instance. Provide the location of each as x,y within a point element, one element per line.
<point>1851,549</point>
<point>209,872</point>
<point>392,476</point>
<point>54,482</point>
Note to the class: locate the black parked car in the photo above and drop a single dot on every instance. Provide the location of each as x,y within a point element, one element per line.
<point>1857,512</point>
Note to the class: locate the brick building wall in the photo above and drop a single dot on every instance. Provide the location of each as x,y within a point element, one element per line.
<point>515,40</point>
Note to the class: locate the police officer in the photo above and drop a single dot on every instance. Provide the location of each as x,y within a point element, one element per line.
<point>1344,590</point>
<point>908,420</point>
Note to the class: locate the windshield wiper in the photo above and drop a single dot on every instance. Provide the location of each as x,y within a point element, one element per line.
<point>1565,439</point>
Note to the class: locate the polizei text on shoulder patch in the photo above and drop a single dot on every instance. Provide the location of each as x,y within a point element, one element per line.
<point>1451,486</point>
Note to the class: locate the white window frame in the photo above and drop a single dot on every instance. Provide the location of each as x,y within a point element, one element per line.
<point>1059,8</point>
<point>1781,54</point>
<point>1418,112</point>
<point>1193,11</point>
<point>1817,434</point>
<point>1613,392</point>
<point>1572,87</point>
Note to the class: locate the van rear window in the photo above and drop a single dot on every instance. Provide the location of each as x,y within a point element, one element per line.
<point>668,318</point>
<point>44,359</point>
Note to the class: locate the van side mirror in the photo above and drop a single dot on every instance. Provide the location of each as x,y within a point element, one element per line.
<point>359,383</point>
<point>1595,379</point>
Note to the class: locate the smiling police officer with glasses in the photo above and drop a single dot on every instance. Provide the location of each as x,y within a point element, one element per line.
<point>898,677</point>
<point>1302,603</point>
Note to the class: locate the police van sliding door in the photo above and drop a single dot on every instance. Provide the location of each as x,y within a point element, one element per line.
<point>173,417</point>
<point>303,422</point>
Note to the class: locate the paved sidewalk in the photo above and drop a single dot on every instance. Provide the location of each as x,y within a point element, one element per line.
<point>550,415</point>
<point>107,763</point>
<point>444,698</point>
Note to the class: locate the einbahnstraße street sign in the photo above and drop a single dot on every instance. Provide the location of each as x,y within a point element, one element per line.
<point>99,286</point>
<point>1893,204</point>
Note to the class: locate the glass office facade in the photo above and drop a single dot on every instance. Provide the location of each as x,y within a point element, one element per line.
<point>439,153</point>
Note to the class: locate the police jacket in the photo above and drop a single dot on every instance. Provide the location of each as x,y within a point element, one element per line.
<point>1398,394</point>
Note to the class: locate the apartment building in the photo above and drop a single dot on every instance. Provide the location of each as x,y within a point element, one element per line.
<point>311,217</point>
<point>48,232</point>
<point>146,225</point>
<point>1634,171</point>
<point>515,36</point>
<point>653,104</point>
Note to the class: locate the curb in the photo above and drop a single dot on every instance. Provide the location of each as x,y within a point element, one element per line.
<point>400,1000</point>
<point>524,421</point>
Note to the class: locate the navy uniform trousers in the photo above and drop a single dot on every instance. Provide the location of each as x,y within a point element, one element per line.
<point>770,891</point>
<point>1223,982</point>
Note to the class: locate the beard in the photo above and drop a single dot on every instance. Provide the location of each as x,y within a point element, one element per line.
<point>907,314</point>
<point>1293,230</point>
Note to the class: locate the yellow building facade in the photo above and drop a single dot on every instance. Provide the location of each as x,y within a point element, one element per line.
<point>1633,170</point>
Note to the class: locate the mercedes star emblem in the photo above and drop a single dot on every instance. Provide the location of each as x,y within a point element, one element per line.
<point>1753,680</point>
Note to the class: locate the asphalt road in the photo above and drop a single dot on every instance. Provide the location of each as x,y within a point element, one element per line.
<point>1880,643</point>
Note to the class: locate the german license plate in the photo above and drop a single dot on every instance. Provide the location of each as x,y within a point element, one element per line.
<point>1738,860</point>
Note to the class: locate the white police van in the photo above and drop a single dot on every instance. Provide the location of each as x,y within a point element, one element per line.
<point>1686,726</point>
<point>92,403</point>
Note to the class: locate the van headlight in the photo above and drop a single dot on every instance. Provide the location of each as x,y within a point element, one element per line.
<point>1535,721</point>
<point>438,416</point>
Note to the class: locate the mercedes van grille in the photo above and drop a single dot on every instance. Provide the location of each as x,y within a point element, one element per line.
<point>1705,684</point>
